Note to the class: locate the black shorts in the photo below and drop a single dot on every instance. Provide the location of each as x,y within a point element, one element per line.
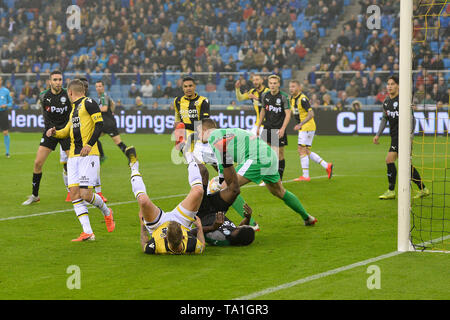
<point>4,122</point>
<point>268,134</point>
<point>394,144</point>
<point>211,204</point>
<point>51,142</point>
<point>110,127</point>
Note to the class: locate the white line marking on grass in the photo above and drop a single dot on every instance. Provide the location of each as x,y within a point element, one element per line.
<point>334,271</point>
<point>316,276</point>
<point>127,202</point>
<point>71,209</point>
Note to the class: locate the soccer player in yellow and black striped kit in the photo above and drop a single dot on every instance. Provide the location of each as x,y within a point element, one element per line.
<point>84,128</point>
<point>306,126</point>
<point>191,108</point>
<point>253,94</point>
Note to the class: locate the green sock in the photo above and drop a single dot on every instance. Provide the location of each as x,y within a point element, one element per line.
<point>294,203</point>
<point>238,205</point>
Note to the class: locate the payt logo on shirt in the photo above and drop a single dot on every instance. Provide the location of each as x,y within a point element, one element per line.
<point>273,109</point>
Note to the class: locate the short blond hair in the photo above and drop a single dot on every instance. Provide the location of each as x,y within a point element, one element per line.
<point>274,76</point>
<point>77,86</point>
<point>174,234</point>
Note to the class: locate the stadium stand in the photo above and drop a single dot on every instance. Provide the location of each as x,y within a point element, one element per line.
<point>369,57</point>
<point>137,40</point>
<point>143,36</point>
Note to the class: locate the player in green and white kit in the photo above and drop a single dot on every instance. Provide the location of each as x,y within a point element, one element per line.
<point>255,160</point>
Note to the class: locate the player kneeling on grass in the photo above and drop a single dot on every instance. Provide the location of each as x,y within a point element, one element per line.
<point>84,128</point>
<point>255,161</point>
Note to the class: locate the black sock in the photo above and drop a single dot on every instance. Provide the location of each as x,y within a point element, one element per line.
<point>415,176</point>
<point>281,165</point>
<point>100,148</point>
<point>392,175</point>
<point>122,146</point>
<point>36,182</point>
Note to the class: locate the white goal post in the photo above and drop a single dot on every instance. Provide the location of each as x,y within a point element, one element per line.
<point>404,135</point>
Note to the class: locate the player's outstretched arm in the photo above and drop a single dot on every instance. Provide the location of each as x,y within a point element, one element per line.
<point>230,193</point>
<point>380,129</point>
<point>200,235</point>
<point>261,119</point>
<point>247,215</point>
<point>144,233</point>
<point>240,96</point>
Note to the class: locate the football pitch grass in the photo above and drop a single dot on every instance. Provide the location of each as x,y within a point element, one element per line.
<point>332,260</point>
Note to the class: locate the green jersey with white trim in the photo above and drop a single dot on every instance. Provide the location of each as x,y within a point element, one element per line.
<point>242,147</point>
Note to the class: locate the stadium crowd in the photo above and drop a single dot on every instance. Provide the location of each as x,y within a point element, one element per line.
<point>357,63</point>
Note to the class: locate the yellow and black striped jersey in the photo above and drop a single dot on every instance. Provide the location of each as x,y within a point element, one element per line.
<point>256,102</point>
<point>158,243</point>
<point>300,106</point>
<point>80,127</point>
<point>190,110</point>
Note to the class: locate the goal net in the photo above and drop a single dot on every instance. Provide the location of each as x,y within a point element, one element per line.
<point>430,153</point>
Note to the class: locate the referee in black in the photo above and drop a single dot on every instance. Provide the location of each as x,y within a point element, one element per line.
<point>56,109</point>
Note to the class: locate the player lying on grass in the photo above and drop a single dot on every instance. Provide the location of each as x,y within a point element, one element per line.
<point>255,161</point>
<point>205,155</point>
<point>170,231</point>
<point>217,228</point>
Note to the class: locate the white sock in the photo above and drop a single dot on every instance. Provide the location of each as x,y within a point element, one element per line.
<point>195,178</point>
<point>317,159</point>
<point>135,166</point>
<point>137,184</point>
<point>305,165</point>
<point>98,202</point>
<point>189,157</point>
<point>65,180</point>
<point>98,189</point>
<point>82,214</point>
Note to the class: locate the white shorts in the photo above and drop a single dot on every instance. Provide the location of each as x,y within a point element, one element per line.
<point>184,217</point>
<point>83,171</point>
<point>204,153</point>
<point>62,155</point>
<point>305,138</point>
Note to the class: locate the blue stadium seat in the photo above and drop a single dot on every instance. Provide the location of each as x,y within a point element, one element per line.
<point>232,27</point>
<point>46,66</point>
<point>286,74</point>
<point>29,15</point>
<point>173,28</point>
<point>10,3</point>
<point>322,32</point>
<point>232,49</point>
<point>447,63</point>
<point>434,46</point>
<point>370,100</point>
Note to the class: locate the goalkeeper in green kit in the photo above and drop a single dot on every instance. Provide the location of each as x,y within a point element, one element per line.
<point>255,161</point>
